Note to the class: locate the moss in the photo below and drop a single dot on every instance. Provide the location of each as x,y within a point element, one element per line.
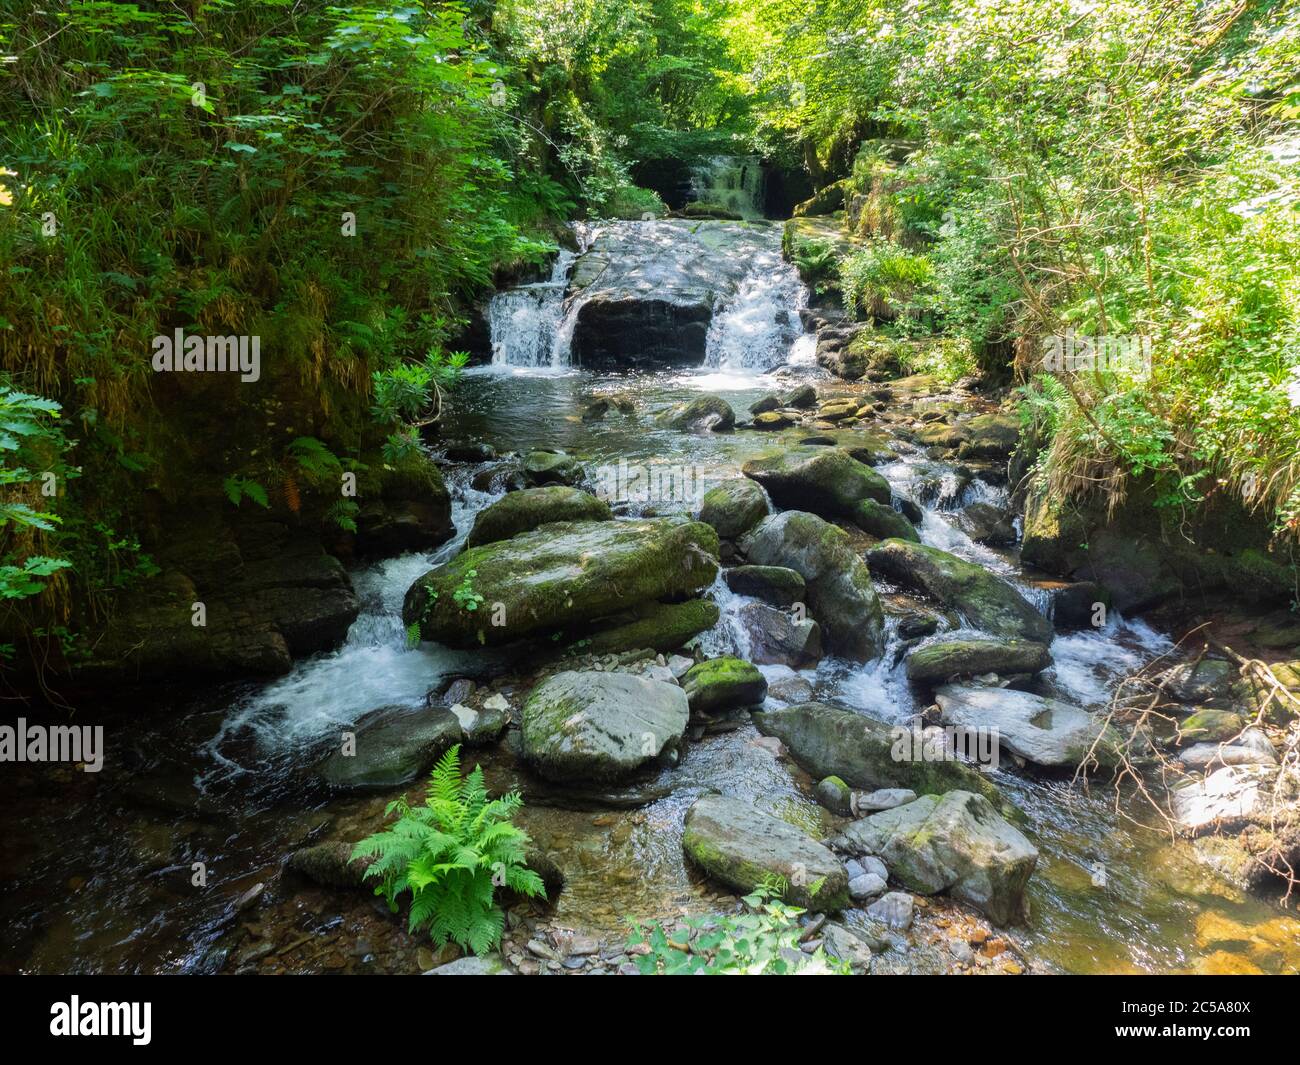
<point>660,627</point>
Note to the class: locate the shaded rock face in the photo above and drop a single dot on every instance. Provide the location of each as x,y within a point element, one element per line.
<point>957,843</point>
<point>596,728</point>
<point>646,296</point>
<point>1198,682</point>
<point>523,511</point>
<point>564,574</point>
<point>410,510</point>
<point>983,599</point>
<point>829,742</point>
<point>826,481</point>
<point>329,864</point>
<point>841,596</point>
<point>883,521</point>
<point>737,845</point>
<point>1044,731</point>
<point>269,596</point>
<point>972,657</point>
<point>395,745</point>
<point>654,626</point>
<point>775,585</point>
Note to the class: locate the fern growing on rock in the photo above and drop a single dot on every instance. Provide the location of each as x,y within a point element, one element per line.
<point>451,855</point>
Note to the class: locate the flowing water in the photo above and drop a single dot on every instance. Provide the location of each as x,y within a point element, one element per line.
<point>101,872</point>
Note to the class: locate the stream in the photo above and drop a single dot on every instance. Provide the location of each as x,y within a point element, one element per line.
<point>101,873</point>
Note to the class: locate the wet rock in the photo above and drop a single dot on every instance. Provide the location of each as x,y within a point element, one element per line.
<point>841,594</point>
<point>395,746</point>
<point>866,886</point>
<point>956,843</point>
<point>882,799</point>
<point>563,575</point>
<point>947,658</point>
<point>1197,682</point>
<point>894,910</point>
<point>734,843</point>
<point>801,397</point>
<point>329,865</point>
<point>600,727</point>
<point>1252,747</point>
<point>551,467</point>
<point>763,405</point>
<point>835,795</point>
<point>471,451</point>
<point>1043,731</point>
<point>656,626</point>
<point>791,689</point>
<point>481,727</point>
<point>984,600</point>
<point>883,521</point>
<point>988,436</point>
<point>595,408</point>
<point>826,741</point>
<point>402,508</point>
<point>840,943</point>
<point>1075,605</point>
<point>775,638</point>
<point>987,524</point>
<point>772,420</point>
<point>775,585</point>
<point>1208,725</point>
<point>733,508</point>
<point>1230,796</point>
<point>705,413</point>
<point>488,965</point>
<point>826,481</point>
<point>719,684</point>
<point>518,512</point>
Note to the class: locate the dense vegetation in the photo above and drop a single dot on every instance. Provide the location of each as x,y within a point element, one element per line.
<point>341,181</point>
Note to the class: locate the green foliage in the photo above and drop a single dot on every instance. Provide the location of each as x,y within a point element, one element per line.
<point>238,489</point>
<point>764,940</point>
<point>465,595</point>
<point>451,855</point>
<point>884,280</point>
<point>413,392</point>
<point>818,264</point>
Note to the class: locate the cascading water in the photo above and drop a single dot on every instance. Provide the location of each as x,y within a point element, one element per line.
<point>525,320</point>
<point>733,182</point>
<point>759,327</point>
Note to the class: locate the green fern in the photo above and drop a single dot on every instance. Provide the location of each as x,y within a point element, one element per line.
<point>451,855</point>
<point>239,488</point>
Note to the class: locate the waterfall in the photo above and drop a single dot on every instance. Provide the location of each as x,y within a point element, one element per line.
<point>731,181</point>
<point>525,320</point>
<point>758,327</point>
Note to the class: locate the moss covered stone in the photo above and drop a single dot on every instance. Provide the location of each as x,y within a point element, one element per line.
<point>776,585</point>
<point>827,481</point>
<point>518,512</point>
<point>733,508</point>
<point>722,684</point>
<point>655,626</point>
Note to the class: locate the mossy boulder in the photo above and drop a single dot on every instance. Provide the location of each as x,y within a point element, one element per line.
<point>827,481</point>
<point>655,626</point>
<point>705,413</point>
<point>737,845</point>
<point>971,657</point>
<point>597,728</point>
<point>394,746</point>
<point>1209,725</point>
<point>983,599</point>
<point>518,512</point>
<point>956,842</point>
<point>719,684</point>
<point>841,595</point>
<point>551,467</point>
<point>733,507</point>
<point>988,436</point>
<point>775,585</point>
<point>558,577</point>
<point>770,421</point>
<point>883,521</point>
<point>826,741</point>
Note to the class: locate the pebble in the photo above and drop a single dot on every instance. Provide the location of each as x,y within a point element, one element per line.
<point>866,886</point>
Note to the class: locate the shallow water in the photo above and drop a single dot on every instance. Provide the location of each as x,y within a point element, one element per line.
<point>100,871</point>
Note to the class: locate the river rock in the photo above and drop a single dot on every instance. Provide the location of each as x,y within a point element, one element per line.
<point>883,521</point>
<point>329,864</point>
<point>739,846</point>
<point>658,627</point>
<point>882,799</point>
<point>518,512</point>
<point>1228,796</point>
<point>395,746</point>
<point>733,508</point>
<point>705,413</point>
<point>841,943</point>
<point>1197,682</point>
<point>894,910</point>
<point>826,741</point>
<point>826,481</point>
<point>836,796</point>
<point>551,467</point>
<point>719,684</point>
<point>775,638</point>
<point>1074,606</point>
<point>946,658</point>
<point>775,585</point>
<point>801,397</point>
<point>1043,731</point>
<point>840,591</point>
<point>562,575</point>
<point>955,842</point>
<point>984,600</point>
<point>766,403</point>
<point>488,965</point>
<point>986,524</point>
<point>586,728</point>
<point>1209,725</point>
<point>1252,747</point>
<point>772,420</point>
<point>988,436</point>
